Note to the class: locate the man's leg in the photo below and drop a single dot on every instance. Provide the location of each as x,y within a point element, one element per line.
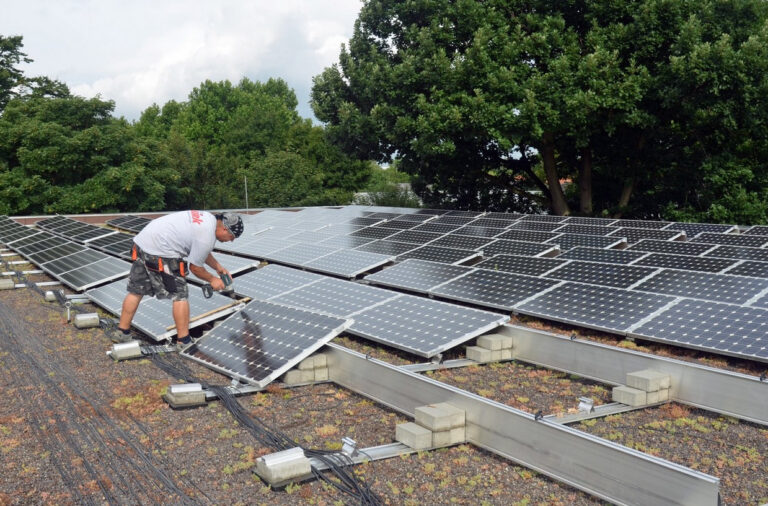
<point>181,317</point>
<point>130,305</point>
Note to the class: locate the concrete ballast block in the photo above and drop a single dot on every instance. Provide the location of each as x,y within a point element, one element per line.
<point>506,354</point>
<point>497,355</point>
<point>283,466</point>
<point>491,342</point>
<point>648,380</point>
<point>7,284</point>
<point>321,374</point>
<point>413,435</point>
<point>448,437</point>
<point>441,416</point>
<point>320,360</point>
<point>478,354</point>
<point>297,376</point>
<point>630,396</point>
<point>506,341</point>
<point>86,320</point>
<point>307,364</point>
<point>657,396</point>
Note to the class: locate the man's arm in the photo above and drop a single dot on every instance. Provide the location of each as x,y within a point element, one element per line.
<point>215,265</point>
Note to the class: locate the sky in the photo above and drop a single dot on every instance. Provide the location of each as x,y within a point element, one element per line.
<point>141,52</point>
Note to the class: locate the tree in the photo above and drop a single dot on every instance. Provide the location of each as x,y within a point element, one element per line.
<point>492,104</point>
<point>10,76</point>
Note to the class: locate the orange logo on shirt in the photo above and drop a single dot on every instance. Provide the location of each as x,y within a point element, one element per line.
<point>196,217</point>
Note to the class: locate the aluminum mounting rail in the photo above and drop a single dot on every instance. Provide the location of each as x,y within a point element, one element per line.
<point>597,466</point>
<point>729,393</point>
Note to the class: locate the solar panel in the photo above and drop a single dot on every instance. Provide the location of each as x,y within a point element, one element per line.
<point>494,289</point>
<point>272,280</point>
<point>423,326</point>
<point>235,264</point>
<point>451,220</point>
<point>754,241</point>
<point>640,224</point>
<point>346,241</point>
<point>723,328</point>
<point>461,242</point>
<point>492,222</point>
<point>569,228</point>
<point>154,316</point>
<point>431,212</point>
<point>703,285</point>
<point>673,247</point>
<point>538,226</point>
<point>477,231</point>
<point>611,256</point>
<point>691,229</point>
<point>634,235</point>
<point>616,275</point>
<point>54,253</point>
<point>503,216</point>
<point>751,268</point>
<point>531,266</point>
<point>597,307</point>
<point>418,218</point>
<point>505,247</point>
<point>761,301</point>
<point>30,239</point>
<point>342,229</point>
<point>527,235</point>
<point>119,220</point>
<point>585,220</point>
<point>309,236</point>
<point>757,230</point>
<point>299,254</point>
<point>96,273</point>
<point>417,275</point>
<point>387,247</point>
<point>21,233</point>
<point>438,228</point>
<point>414,236</point>
<point>543,217</point>
<point>398,224</point>
<point>73,261</point>
<point>92,233</point>
<point>264,340</point>
<point>365,221</point>
<point>348,263</point>
<point>120,249</point>
<point>374,232</point>
<point>439,254</point>
<point>568,241</point>
<point>335,297</point>
<point>384,215</point>
<point>686,262</point>
<point>738,252</point>
<point>107,240</point>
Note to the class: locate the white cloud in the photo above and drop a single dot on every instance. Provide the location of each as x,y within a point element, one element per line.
<point>141,52</point>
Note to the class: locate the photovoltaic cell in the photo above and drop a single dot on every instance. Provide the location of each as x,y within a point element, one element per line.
<point>722,328</point>
<point>757,230</point>
<point>543,217</point>
<point>537,226</point>
<point>348,263</point>
<point>438,228</point>
<point>441,255</point>
<point>387,247</point>
<point>530,266</point>
<point>751,268</point>
<point>634,235</point>
<point>461,242</point>
<point>423,326</point>
<point>702,285</point>
<point>569,228</point>
<point>598,307</point>
<point>527,235</point>
<point>417,275</point>
<point>673,247</point>
<point>503,247</point>
<point>494,289</point>
<point>335,297</point>
<point>738,252</point>
<point>272,280</point>
<point>610,256</point>
<point>754,241</point>
<point>640,224</point>
<point>476,231</point>
<point>568,241</point>
<point>686,262</point>
<point>616,275</point>
<point>414,236</point>
<point>692,229</point>
<point>374,232</point>
<point>263,341</point>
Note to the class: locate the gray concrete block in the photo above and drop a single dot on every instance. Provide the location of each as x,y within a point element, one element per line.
<point>491,342</point>
<point>283,466</point>
<point>648,380</point>
<point>297,377</point>
<point>413,435</point>
<point>7,284</point>
<point>441,416</point>
<point>506,341</point>
<point>307,364</point>
<point>630,396</point>
<point>448,437</point>
<point>496,355</point>
<point>86,320</point>
<point>657,396</point>
<point>321,360</point>
<point>321,374</point>
<point>506,354</point>
<point>478,354</point>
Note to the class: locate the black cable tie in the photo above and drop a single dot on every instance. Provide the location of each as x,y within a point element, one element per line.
<point>763,376</point>
<point>573,336</point>
<point>368,356</point>
<point>538,416</point>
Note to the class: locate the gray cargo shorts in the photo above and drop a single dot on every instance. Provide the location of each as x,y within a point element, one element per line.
<point>143,281</point>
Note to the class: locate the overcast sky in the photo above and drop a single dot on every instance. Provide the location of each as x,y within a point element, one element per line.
<point>140,52</point>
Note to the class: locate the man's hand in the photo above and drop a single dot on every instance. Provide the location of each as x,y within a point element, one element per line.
<point>217,284</point>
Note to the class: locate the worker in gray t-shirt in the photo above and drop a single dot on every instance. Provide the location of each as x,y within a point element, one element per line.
<point>166,250</point>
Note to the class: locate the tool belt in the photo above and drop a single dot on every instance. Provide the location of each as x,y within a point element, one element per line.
<point>168,268</point>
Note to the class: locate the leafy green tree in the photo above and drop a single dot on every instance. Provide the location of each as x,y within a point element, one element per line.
<point>10,75</point>
<point>645,105</point>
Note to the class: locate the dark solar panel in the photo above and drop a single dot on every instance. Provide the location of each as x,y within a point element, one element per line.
<point>346,241</point>
<point>634,235</point>
<point>502,247</point>
<point>757,230</point>
<point>751,268</point>
<point>672,247</point>
<point>374,232</point>
<point>738,252</point>
<point>115,222</point>
<point>348,263</point>
<point>264,340</point>
<point>102,271</point>
<point>55,252</point>
<point>616,275</point>
<point>527,235</point>
<point>92,234</point>
<point>477,231</point>
<point>312,237</point>
<point>272,280</point>
<point>335,297</point>
<point>494,289</point>
<point>439,254</point>
<point>503,216</point>
<point>569,228</point>
<point>722,328</point>
<point>754,241</point>
<point>73,261</point>
<point>423,326</point>
<point>531,266</point>
<point>640,224</point>
<point>543,217</point>
<point>584,220</point>
<point>438,228</point>
<point>691,229</point>
<point>686,262</point>
<point>611,256</point>
<point>538,226</point>
<point>703,285</point>
<point>299,254</point>
<point>419,218</point>
<point>417,275</point>
<point>365,221</point>
<point>451,220</point>
<point>461,242</point>
<point>568,241</point>
<point>466,214</point>
<point>387,247</point>
<point>414,236</point>
<point>492,222</point>
<point>398,224</point>
<point>598,307</point>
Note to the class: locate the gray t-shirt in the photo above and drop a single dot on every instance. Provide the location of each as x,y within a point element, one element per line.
<point>186,234</point>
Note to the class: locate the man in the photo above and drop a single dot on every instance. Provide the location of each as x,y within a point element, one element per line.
<point>165,250</point>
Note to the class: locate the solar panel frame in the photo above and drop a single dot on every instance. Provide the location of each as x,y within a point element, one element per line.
<point>264,340</point>
<point>422,326</point>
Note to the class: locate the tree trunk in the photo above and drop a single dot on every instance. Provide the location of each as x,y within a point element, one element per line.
<point>626,193</point>
<point>556,196</point>
<point>585,182</point>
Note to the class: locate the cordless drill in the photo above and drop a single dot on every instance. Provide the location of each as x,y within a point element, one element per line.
<point>228,286</point>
